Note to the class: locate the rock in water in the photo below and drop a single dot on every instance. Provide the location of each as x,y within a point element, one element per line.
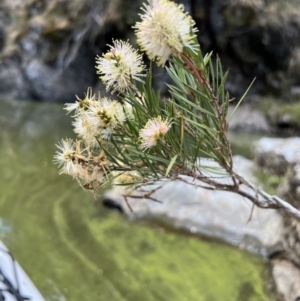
<point>217,214</point>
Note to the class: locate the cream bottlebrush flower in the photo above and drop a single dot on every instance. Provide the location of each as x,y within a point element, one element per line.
<point>154,129</point>
<point>94,169</point>
<point>164,29</point>
<point>65,157</point>
<point>118,66</point>
<point>105,115</point>
<point>85,130</point>
<point>81,104</point>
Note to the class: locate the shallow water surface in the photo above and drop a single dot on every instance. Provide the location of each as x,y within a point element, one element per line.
<point>75,250</point>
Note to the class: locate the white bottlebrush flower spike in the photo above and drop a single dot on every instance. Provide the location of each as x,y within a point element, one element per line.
<point>65,156</point>
<point>154,129</point>
<point>164,29</point>
<point>81,104</point>
<point>105,115</point>
<point>85,130</point>
<point>118,66</point>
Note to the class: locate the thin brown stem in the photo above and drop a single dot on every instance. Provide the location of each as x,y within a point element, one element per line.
<point>256,195</point>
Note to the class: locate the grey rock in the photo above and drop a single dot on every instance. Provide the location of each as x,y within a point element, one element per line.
<point>60,85</point>
<point>245,33</point>
<point>288,148</point>
<point>255,38</point>
<point>13,84</point>
<point>291,239</point>
<point>274,150</point>
<point>272,162</point>
<point>289,190</point>
<point>2,36</point>
<point>49,50</point>
<point>217,214</point>
<point>287,279</point>
<point>295,91</point>
<point>294,67</point>
<point>248,120</point>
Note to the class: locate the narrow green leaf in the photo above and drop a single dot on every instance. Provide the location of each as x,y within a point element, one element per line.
<point>207,58</point>
<point>149,156</point>
<point>181,133</point>
<point>198,92</point>
<point>212,131</point>
<point>183,99</point>
<point>149,164</point>
<point>212,75</point>
<point>222,84</point>
<point>172,73</point>
<point>119,151</point>
<point>241,100</point>
<point>172,162</point>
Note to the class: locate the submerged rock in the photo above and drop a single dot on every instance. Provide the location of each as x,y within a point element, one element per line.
<point>217,214</point>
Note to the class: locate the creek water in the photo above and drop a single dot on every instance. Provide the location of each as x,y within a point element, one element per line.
<point>74,250</point>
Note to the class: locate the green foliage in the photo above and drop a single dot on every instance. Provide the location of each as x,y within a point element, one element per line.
<point>270,181</point>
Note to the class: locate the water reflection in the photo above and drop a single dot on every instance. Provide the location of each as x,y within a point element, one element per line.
<point>74,251</point>
<point>5,227</point>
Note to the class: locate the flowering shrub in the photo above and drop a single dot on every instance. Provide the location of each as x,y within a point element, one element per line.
<point>145,139</point>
